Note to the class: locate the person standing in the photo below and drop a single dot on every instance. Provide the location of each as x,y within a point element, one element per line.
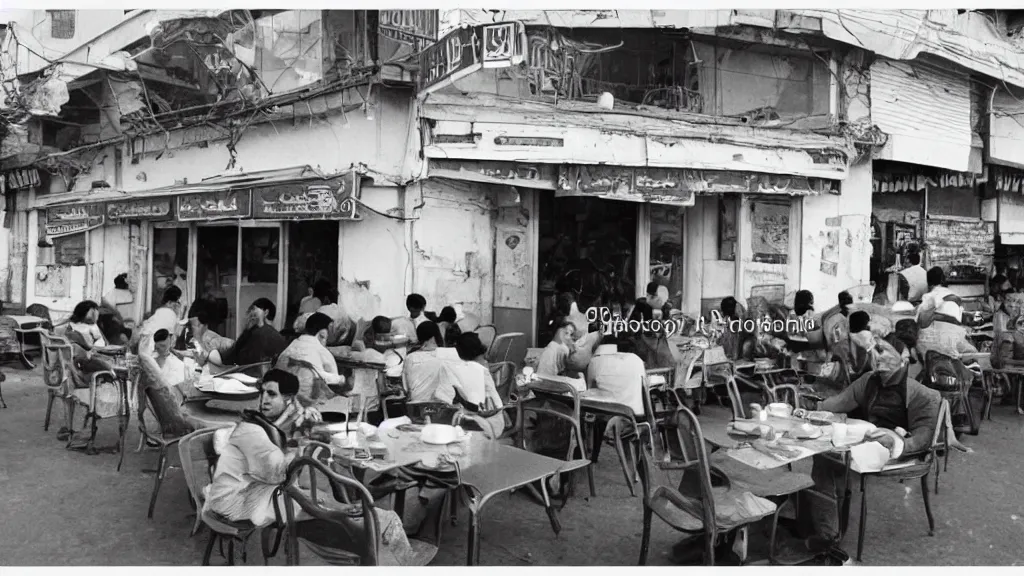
<point>913,280</point>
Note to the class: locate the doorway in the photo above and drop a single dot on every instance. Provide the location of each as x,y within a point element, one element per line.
<point>170,264</point>
<point>587,247</point>
<point>312,255</point>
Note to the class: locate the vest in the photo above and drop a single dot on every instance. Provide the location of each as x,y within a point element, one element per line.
<point>887,408</point>
<point>917,279</point>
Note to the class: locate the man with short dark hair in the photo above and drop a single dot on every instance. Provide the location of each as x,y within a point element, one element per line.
<point>308,359</point>
<point>913,280</point>
<point>936,295</point>
<point>406,326</point>
<point>259,342</point>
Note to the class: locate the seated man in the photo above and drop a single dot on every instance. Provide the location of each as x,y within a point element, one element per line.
<point>406,326</point>
<point>471,384</point>
<point>259,342</point>
<point>554,360</point>
<point>945,334</point>
<point>737,342</point>
<point>168,384</point>
<point>423,369</point>
<point>936,295</point>
<point>251,467</point>
<point>309,360</point>
<point>616,377</point>
<point>906,414</point>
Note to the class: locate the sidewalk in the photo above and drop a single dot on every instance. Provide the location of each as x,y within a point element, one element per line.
<point>66,508</point>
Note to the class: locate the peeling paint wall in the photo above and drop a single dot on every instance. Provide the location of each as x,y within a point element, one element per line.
<point>837,238</point>
<point>453,247</point>
<point>374,259</point>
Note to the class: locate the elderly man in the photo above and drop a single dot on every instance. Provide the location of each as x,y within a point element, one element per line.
<point>905,413</point>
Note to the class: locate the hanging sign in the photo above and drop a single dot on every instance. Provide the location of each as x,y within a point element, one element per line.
<point>678,187</point>
<point>467,50</point>
<point>140,209</point>
<point>215,205</point>
<point>507,173</point>
<point>67,220</point>
<point>334,199</point>
<point>23,178</point>
<point>918,181</point>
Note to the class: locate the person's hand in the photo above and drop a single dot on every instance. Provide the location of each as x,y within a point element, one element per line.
<point>308,416</point>
<point>882,437</point>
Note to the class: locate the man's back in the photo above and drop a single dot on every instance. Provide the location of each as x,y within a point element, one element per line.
<point>619,377</point>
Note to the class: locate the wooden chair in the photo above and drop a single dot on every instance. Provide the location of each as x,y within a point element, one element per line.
<point>57,365</point>
<point>500,348</point>
<point>953,387</point>
<point>198,462</point>
<point>320,534</point>
<point>96,400</point>
<point>918,470</point>
<point>166,439</point>
<point>695,503</point>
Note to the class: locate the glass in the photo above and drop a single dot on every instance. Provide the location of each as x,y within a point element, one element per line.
<point>667,251</point>
<point>170,263</point>
<point>261,252</point>
<point>312,255</point>
<point>217,275</point>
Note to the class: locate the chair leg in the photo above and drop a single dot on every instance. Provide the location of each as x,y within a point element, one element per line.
<point>624,463</point>
<point>122,433</point>
<point>927,505</point>
<point>645,541</point>
<point>209,548</point>
<point>231,552</point>
<point>775,528</point>
<point>161,465</point>
<point>49,410</point>
<point>937,472</point>
<point>863,517</point>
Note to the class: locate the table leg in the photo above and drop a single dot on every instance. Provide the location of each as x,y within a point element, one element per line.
<point>473,544</point>
<point>552,512</point>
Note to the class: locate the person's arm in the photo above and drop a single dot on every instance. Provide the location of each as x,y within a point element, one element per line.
<point>849,399</point>
<point>904,289</point>
<point>266,462</point>
<point>922,418</point>
<point>491,391</point>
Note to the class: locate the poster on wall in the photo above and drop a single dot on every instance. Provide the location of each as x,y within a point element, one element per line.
<point>513,280</point>
<point>770,232</point>
<point>53,281</point>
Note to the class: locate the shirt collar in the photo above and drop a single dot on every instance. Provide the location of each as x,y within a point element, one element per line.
<point>606,349</point>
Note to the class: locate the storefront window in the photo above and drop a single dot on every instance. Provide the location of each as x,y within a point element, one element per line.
<point>70,250</point>
<point>260,256</point>
<point>312,255</point>
<point>170,262</point>
<point>216,275</point>
<point>667,250</point>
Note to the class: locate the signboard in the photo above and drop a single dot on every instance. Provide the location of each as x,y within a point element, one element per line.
<point>141,209</point>
<point>960,242</point>
<point>67,220</point>
<point>507,173</point>
<point>416,28</point>
<point>467,50</point>
<point>215,205</point>
<point>325,200</point>
<point>678,187</point>
<point>23,178</point>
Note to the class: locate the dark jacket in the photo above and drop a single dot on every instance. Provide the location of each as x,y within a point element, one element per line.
<point>922,409</point>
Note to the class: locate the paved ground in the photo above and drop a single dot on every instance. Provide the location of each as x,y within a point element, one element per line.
<point>66,508</point>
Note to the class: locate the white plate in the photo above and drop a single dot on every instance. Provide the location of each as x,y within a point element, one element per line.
<point>441,434</point>
<point>243,378</point>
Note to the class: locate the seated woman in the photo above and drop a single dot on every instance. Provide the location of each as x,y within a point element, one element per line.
<point>203,338</point>
<point>450,331</point>
<point>88,340</point>
<point>554,360</point>
<point>308,359</point>
<point>251,467</point>
<point>472,386</point>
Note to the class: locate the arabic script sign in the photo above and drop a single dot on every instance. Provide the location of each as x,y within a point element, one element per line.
<point>329,199</point>
<point>67,220</point>
<point>211,206</point>
<point>466,50</point>
<point>143,209</point>
<point>672,186</point>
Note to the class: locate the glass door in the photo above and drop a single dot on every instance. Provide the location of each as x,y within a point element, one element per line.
<point>312,256</point>
<point>217,276</point>
<point>261,271</point>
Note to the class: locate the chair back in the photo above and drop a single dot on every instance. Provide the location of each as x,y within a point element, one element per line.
<point>499,349</point>
<point>363,540</point>
<point>559,389</point>
<point>198,462</point>
<point>162,404</point>
<point>58,361</point>
<point>438,412</point>
<point>9,335</point>
<point>320,389</point>
<point>504,374</point>
<point>487,334</point>
<point>693,492</point>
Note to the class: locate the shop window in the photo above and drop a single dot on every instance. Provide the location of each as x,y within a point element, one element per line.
<point>770,232</point>
<point>170,263</point>
<point>285,50</point>
<point>62,24</point>
<point>667,250</point>
<point>69,250</point>
<point>728,209</point>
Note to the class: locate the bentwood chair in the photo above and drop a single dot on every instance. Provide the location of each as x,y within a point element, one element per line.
<point>57,365</point>
<point>487,333</point>
<point>502,345</point>
<point>703,501</point>
<point>917,469</point>
<point>198,462</point>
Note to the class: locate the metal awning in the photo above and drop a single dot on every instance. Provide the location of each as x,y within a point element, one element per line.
<point>213,184</point>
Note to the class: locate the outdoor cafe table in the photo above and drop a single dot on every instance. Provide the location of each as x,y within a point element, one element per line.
<point>486,469</point>
<point>714,421</point>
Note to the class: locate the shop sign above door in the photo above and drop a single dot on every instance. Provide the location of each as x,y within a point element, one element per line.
<point>215,205</point>
<point>67,220</point>
<point>140,209</point>
<point>334,199</point>
<point>677,186</point>
<point>508,173</point>
<point>23,178</point>
<point>467,50</point>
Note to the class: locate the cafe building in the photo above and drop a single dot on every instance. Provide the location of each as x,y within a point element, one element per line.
<point>581,195</point>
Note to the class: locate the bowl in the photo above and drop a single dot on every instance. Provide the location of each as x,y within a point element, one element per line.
<point>855,430</point>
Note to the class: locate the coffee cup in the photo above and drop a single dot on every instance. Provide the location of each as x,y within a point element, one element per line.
<point>838,433</point>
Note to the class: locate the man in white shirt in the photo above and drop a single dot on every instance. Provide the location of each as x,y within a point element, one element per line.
<point>936,295</point>
<point>913,280</point>
<point>415,304</point>
<point>615,377</point>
